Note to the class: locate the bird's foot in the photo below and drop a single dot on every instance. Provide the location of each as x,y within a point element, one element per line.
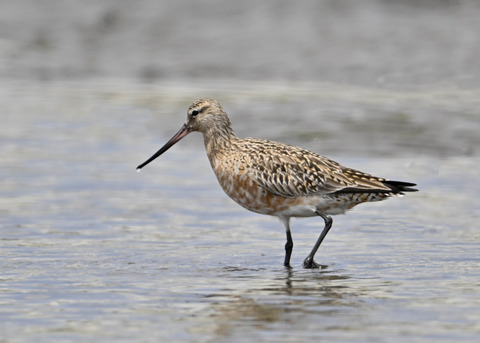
<point>309,263</point>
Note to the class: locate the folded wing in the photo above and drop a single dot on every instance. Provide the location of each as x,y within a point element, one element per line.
<point>291,171</point>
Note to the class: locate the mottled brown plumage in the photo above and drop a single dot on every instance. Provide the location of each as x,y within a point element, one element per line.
<point>277,179</point>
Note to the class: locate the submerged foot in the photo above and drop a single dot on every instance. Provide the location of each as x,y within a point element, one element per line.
<point>309,263</point>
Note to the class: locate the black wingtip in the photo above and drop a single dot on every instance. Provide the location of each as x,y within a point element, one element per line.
<point>400,186</point>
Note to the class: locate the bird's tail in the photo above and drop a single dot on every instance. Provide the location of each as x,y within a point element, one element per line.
<point>398,187</point>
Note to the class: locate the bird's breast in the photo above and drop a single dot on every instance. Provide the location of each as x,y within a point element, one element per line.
<point>233,176</point>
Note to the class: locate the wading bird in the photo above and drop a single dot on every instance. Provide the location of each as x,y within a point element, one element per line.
<point>277,179</point>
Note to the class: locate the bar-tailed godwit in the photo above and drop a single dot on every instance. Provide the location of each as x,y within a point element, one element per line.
<point>277,179</point>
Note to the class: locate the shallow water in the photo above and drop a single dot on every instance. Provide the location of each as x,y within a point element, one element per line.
<point>91,250</point>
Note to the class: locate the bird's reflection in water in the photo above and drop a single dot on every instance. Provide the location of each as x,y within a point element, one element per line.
<point>282,296</point>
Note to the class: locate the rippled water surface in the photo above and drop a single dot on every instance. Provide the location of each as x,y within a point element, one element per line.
<point>91,250</point>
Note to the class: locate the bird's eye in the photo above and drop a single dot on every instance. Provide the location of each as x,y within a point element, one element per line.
<point>194,113</point>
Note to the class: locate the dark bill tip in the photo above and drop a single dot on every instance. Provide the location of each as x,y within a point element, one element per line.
<point>178,136</point>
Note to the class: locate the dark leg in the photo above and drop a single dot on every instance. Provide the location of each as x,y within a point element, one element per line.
<point>309,262</point>
<point>288,249</point>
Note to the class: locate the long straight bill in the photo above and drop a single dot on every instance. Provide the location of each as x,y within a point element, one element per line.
<point>178,136</point>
